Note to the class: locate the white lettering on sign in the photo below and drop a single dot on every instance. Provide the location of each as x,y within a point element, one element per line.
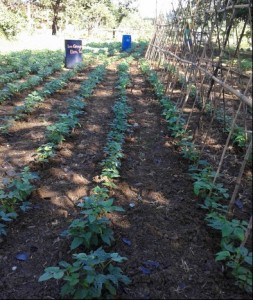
<point>73,52</point>
<point>74,49</point>
<point>77,46</point>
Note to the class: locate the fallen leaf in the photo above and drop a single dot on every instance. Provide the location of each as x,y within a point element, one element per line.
<point>126,241</point>
<point>23,256</point>
<point>152,263</point>
<point>144,270</point>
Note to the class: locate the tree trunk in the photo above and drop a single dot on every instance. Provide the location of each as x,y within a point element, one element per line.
<point>54,26</point>
<point>56,10</point>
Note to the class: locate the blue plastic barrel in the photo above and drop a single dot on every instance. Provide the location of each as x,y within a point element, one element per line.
<point>126,42</point>
<point>73,53</point>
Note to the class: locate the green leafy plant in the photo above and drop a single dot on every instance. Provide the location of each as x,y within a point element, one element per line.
<point>188,150</point>
<point>95,207</point>
<point>238,259</point>
<point>14,192</point>
<point>2,229</point>
<point>6,217</point>
<point>239,137</point>
<point>94,227</point>
<point>91,276</point>
<point>203,185</point>
<point>57,132</point>
<point>44,152</point>
<point>211,204</point>
<point>89,232</point>
<point>16,189</point>
<point>231,231</point>
<point>193,91</point>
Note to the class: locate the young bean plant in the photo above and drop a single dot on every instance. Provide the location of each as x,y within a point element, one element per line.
<point>91,276</point>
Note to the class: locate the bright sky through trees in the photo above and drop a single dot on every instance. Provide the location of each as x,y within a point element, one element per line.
<point>149,8</point>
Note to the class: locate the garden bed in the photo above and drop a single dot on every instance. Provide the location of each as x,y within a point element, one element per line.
<point>170,251</point>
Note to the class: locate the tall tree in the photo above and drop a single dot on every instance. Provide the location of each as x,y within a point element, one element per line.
<point>122,8</point>
<point>12,17</point>
<point>89,14</point>
<point>56,7</point>
<point>82,14</point>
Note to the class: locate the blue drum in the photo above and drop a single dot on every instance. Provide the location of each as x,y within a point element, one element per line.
<point>126,42</point>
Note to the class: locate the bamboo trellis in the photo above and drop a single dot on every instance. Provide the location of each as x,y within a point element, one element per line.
<point>212,65</point>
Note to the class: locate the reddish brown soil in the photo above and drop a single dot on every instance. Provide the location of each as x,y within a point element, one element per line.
<point>165,225</point>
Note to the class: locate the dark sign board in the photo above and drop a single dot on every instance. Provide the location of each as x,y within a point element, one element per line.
<point>73,51</point>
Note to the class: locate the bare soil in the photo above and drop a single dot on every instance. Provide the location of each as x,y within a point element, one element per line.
<point>171,255</point>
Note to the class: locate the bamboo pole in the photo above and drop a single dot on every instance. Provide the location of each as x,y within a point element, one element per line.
<point>212,62</point>
<point>228,139</point>
<point>227,87</point>
<point>238,181</point>
<point>247,233</point>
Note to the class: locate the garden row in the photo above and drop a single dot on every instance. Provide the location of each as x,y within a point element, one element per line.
<point>15,189</point>
<point>219,216</point>
<point>94,274</point>
<point>91,271</point>
<point>31,71</point>
<point>238,135</point>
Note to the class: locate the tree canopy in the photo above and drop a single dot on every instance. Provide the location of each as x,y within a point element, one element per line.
<point>16,15</point>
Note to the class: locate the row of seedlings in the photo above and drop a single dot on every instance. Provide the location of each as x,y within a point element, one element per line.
<point>234,233</point>
<point>57,132</point>
<point>44,71</point>
<point>15,65</point>
<point>36,97</point>
<point>116,137</point>
<point>114,49</point>
<point>14,192</point>
<point>238,135</point>
<point>18,186</point>
<point>27,67</point>
<point>94,275</point>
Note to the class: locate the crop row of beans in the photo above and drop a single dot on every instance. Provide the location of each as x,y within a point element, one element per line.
<point>233,232</point>
<point>26,63</point>
<point>238,136</point>
<point>35,97</point>
<point>93,275</point>
<point>18,187</point>
<point>45,66</point>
